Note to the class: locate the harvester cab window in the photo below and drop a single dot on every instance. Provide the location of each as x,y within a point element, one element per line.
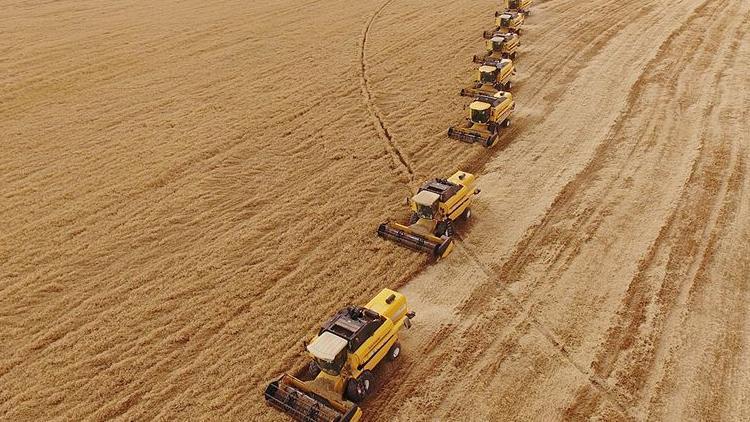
<point>480,115</point>
<point>334,366</point>
<point>486,75</point>
<point>329,352</point>
<point>497,44</point>
<point>426,211</point>
<point>426,204</point>
<point>505,21</point>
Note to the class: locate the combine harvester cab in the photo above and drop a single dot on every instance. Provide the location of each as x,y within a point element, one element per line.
<point>435,207</point>
<point>487,114</point>
<point>506,22</point>
<point>520,6</point>
<point>491,79</point>
<point>500,46</point>
<point>344,352</point>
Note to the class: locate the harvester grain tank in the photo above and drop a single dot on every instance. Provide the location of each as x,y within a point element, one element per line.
<point>347,348</point>
<point>435,208</point>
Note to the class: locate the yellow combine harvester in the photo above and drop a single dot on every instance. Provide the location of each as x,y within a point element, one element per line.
<point>501,46</point>
<point>506,22</point>
<point>486,115</point>
<point>344,352</point>
<point>435,207</point>
<point>491,79</point>
<point>520,6</point>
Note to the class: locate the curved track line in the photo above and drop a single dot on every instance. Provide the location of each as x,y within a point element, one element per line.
<point>377,120</point>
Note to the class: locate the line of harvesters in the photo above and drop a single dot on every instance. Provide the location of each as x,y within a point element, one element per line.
<point>348,347</point>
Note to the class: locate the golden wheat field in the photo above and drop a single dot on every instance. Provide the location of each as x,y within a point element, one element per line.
<point>189,188</point>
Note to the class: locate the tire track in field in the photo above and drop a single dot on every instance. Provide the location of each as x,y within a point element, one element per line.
<point>567,68</point>
<point>377,119</point>
<point>556,344</point>
<point>604,365</point>
<point>711,196</point>
<point>646,356</point>
<point>561,209</point>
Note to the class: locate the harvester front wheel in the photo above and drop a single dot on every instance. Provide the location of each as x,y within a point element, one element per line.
<point>368,381</point>
<point>508,86</point>
<point>444,228</point>
<point>439,229</point>
<point>490,140</point>
<point>358,388</point>
<point>413,219</point>
<point>394,351</point>
<point>355,390</point>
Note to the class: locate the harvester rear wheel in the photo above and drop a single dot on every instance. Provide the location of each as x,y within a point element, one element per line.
<point>394,351</point>
<point>466,214</point>
<point>506,123</point>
